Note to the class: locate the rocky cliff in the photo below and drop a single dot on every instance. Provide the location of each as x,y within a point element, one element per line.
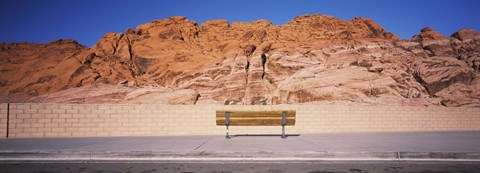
<point>313,59</point>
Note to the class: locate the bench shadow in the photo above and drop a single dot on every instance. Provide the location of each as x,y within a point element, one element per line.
<point>261,135</point>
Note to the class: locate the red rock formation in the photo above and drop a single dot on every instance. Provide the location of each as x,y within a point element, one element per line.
<point>313,59</point>
<point>29,70</point>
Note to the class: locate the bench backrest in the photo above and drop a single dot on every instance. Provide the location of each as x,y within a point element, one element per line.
<point>256,118</point>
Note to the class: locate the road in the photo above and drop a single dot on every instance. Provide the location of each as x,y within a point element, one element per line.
<point>231,167</point>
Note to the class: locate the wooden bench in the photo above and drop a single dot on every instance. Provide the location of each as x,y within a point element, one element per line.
<point>256,118</point>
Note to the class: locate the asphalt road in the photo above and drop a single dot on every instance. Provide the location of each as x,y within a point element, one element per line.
<point>231,167</point>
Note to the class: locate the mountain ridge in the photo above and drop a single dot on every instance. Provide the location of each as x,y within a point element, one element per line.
<point>312,59</point>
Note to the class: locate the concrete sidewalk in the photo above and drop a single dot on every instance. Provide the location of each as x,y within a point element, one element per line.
<point>464,146</point>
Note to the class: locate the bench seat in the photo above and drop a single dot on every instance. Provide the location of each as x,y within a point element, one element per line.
<point>255,118</point>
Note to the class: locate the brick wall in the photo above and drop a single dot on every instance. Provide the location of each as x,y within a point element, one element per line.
<point>65,120</point>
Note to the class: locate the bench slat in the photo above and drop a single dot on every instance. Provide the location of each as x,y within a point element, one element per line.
<point>221,113</point>
<point>290,122</point>
<point>256,118</point>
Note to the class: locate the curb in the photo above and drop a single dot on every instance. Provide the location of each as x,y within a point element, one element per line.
<point>6,156</point>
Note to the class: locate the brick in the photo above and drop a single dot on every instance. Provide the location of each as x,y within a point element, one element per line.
<point>91,116</point>
<point>30,120</point>
<point>97,120</point>
<point>103,107</point>
<point>37,125</point>
<point>97,129</point>
<point>133,111</point>
<point>121,111</point>
<point>30,111</point>
<point>79,125</point>
<point>139,116</point>
<point>38,116</point>
<point>72,111</point>
<point>110,120</point>
<point>65,116</point>
<point>16,130</point>
<point>58,130</point>
<point>85,111</point>
<point>51,116</point>
<point>72,120</point>
<point>16,111</point>
<point>22,135</point>
<point>78,116</point>
<point>85,120</point>
<point>23,116</point>
<point>117,107</point>
<point>71,129</point>
<point>128,107</point>
<point>44,111</point>
<point>110,111</point>
<point>122,120</point>
<point>64,107</point>
<point>140,107</point>
<point>78,107</point>
<point>36,135</point>
<point>16,121</point>
<point>98,111</point>
<point>84,129</point>
<point>146,111</point>
<point>51,106</point>
<point>43,130</point>
<point>58,120</point>
<point>20,106</point>
<point>51,125</point>
<point>91,106</point>
<point>67,125</point>
<point>37,106</point>
<point>23,125</point>
<point>103,125</point>
<point>58,111</point>
<point>44,120</point>
<point>104,116</point>
<point>133,120</point>
<point>158,111</point>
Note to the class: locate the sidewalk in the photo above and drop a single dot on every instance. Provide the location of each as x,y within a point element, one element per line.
<point>463,146</point>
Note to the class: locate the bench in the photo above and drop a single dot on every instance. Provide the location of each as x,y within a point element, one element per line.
<point>255,118</point>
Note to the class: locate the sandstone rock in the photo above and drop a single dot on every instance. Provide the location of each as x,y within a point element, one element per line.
<point>434,43</point>
<point>312,59</point>
<point>465,34</point>
<point>376,67</point>
<point>438,73</point>
<point>427,34</point>
<point>414,47</point>
<point>461,95</point>
<point>180,97</point>
<point>33,69</point>
<point>469,52</point>
<point>94,93</point>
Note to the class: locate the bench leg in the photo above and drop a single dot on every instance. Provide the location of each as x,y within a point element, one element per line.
<point>227,123</point>
<point>284,122</point>
<point>227,136</point>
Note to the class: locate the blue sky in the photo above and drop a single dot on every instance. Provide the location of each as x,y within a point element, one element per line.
<point>86,21</point>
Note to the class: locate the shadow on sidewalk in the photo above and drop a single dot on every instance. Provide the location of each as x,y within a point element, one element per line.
<point>261,135</point>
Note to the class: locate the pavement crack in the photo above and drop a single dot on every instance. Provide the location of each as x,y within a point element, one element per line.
<point>202,144</point>
<point>309,142</point>
<point>87,144</point>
